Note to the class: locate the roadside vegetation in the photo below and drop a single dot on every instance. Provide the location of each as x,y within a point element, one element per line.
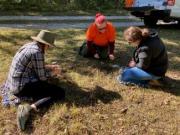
<point>61,7</point>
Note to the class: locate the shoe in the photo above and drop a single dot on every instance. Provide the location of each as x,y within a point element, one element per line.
<point>115,66</point>
<point>122,82</point>
<point>156,83</point>
<point>121,70</point>
<point>23,115</point>
<point>14,100</point>
<point>131,83</point>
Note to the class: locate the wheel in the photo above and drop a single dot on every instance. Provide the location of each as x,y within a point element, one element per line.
<point>150,21</point>
<point>178,22</point>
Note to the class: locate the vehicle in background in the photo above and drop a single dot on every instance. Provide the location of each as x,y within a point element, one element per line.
<point>153,10</point>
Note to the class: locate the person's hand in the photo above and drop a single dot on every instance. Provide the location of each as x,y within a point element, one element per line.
<point>111,57</point>
<point>55,70</point>
<point>96,56</point>
<point>132,63</point>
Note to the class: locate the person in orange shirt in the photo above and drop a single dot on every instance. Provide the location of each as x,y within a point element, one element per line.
<point>100,39</point>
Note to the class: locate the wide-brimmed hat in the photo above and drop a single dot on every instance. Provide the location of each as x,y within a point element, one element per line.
<point>45,37</point>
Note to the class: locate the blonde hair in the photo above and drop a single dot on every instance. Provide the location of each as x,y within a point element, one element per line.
<point>133,34</point>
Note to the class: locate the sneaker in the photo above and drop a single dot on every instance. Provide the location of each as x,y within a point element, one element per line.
<point>131,83</point>
<point>121,70</point>
<point>122,82</point>
<point>23,115</point>
<point>14,100</point>
<point>115,66</point>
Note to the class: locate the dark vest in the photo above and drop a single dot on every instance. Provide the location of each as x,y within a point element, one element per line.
<point>151,56</point>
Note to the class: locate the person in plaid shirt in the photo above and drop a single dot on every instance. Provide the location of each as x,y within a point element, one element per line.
<point>27,66</point>
<point>28,76</point>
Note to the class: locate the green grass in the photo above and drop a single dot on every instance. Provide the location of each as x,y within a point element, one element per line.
<point>95,102</point>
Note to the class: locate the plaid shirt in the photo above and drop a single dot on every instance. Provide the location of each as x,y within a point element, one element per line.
<point>27,66</point>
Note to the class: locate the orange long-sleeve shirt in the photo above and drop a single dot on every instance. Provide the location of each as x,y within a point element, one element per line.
<point>101,39</point>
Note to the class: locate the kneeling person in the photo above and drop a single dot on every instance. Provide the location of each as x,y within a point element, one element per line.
<point>100,39</point>
<point>28,76</point>
<point>150,60</point>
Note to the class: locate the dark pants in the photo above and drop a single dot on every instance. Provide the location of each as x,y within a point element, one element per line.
<point>89,52</point>
<point>43,92</point>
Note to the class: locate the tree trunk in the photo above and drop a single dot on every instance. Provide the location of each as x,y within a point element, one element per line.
<point>116,4</point>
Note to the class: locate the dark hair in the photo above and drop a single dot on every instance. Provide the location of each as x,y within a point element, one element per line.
<point>100,18</point>
<point>97,15</point>
<point>132,34</point>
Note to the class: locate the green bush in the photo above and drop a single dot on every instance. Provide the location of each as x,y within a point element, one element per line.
<point>59,5</point>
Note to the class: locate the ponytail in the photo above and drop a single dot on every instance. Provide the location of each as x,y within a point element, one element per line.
<point>145,32</point>
<point>132,34</point>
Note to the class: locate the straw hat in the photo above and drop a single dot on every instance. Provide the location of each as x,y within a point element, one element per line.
<point>45,37</point>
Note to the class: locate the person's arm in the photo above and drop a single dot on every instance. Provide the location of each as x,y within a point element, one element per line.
<point>111,47</point>
<point>39,65</point>
<point>90,45</point>
<point>112,36</point>
<point>53,70</point>
<point>144,57</point>
<point>90,33</point>
<point>132,62</point>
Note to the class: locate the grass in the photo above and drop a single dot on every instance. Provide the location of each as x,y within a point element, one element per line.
<point>95,102</point>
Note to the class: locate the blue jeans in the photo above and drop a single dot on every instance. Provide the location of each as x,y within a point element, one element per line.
<point>136,75</point>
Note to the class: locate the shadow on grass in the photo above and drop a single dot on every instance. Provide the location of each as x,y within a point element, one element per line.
<point>83,97</point>
<point>91,98</point>
<point>87,66</point>
<point>75,95</point>
<point>122,57</point>
<point>170,86</point>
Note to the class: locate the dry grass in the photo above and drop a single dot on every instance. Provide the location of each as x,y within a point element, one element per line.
<point>95,102</point>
